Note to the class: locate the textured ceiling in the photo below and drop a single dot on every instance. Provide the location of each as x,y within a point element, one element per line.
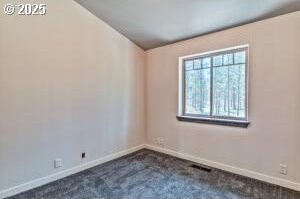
<point>153,23</point>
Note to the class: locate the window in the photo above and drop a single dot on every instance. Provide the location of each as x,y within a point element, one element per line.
<point>213,87</point>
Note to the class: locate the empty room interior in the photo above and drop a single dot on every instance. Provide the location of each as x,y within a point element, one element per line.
<point>150,99</point>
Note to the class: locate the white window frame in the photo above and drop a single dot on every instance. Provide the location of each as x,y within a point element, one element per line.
<point>231,121</point>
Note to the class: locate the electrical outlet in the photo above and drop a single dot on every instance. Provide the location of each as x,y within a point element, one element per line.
<point>83,155</point>
<point>57,163</point>
<point>283,169</point>
<point>160,141</point>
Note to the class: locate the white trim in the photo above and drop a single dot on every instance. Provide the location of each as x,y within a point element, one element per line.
<point>56,176</point>
<point>180,87</point>
<point>45,180</point>
<point>232,169</point>
<point>213,51</point>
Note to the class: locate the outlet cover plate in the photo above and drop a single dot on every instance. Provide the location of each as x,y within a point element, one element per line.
<point>57,163</point>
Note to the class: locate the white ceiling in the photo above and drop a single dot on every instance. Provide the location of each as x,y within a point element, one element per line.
<point>153,23</point>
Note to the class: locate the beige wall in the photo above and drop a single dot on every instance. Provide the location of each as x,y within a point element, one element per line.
<point>274,134</point>
<point>69,83</point>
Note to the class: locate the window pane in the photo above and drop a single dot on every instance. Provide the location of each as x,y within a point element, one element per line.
<point>218,60</point>
<point>240,57</point>
<point>215,85</point>
<point>229,91</point>
<point>189,65</point>
<point>197,96</point>
<point>206,62</point>
<point>197,63</point>
<point>228,59</point>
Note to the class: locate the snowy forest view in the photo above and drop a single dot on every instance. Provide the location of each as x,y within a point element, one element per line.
<point>228,73</point>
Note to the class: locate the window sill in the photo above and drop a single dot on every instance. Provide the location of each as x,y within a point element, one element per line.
<point>224,122</point>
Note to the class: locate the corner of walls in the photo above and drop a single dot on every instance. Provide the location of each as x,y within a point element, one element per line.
<point>72,85</point>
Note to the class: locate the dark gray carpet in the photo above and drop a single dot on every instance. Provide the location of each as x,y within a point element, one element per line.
<point>151,175</point>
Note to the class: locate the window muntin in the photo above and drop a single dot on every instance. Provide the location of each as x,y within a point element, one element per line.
<point>215,85</point>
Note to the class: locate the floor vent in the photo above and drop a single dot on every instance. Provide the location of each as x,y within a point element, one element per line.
<point>202,168</point>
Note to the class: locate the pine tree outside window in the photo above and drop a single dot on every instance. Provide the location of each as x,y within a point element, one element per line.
<point>213,87</point>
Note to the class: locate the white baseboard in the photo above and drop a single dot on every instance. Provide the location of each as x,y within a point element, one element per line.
<point>239,171</point>
<point>45,180</point>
